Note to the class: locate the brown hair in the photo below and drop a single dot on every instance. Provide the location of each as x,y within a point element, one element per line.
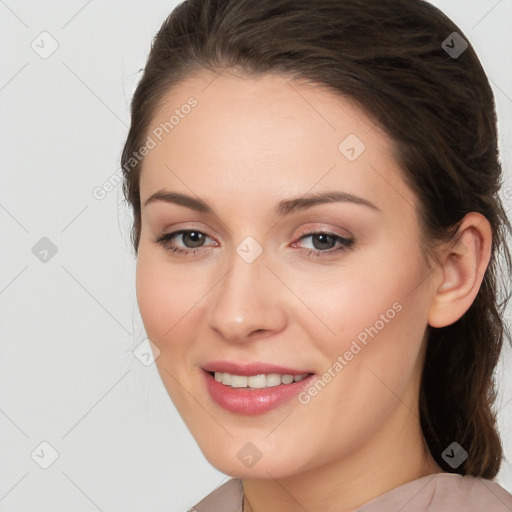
<point>437,109</point>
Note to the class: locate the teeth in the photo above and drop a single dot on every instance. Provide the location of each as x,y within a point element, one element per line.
<point>257,381</point>
<point>238,381</point>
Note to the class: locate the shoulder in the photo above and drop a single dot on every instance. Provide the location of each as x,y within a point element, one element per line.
<point>472,493</point>
<point>227,497</point>
<point>443,492</point>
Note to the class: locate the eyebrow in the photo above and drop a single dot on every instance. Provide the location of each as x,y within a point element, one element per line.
<point>283,208</point>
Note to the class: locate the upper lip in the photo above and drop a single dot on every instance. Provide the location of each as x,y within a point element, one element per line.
<point>248,369</point>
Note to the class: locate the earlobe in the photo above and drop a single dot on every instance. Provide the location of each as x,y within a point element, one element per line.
<point>461,271</point>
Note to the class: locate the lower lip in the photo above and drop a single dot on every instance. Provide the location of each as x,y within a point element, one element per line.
<point>253,401</point>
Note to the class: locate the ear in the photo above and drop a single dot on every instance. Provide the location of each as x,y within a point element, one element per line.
<point>461,271</point>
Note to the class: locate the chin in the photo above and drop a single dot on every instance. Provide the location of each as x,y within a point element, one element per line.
<point>241,458</point>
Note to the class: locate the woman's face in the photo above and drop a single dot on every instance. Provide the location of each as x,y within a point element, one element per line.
<point>333,285</point>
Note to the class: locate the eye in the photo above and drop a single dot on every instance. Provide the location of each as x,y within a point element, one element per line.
<point>324,244</point>
<point>192,239</point>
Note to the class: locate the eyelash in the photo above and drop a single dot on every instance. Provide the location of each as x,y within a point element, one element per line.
<point>346,243</point>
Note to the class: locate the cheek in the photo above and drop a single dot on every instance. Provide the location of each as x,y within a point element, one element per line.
<point>368,289</point>
<point>163,303</point>
<point>171,300</point>
<point>373,317</point>
<point>383,326</point>
<point>152,296</point>
<point>161,297</point>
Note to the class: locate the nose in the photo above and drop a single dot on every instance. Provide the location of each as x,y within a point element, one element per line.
<point>248,302</point>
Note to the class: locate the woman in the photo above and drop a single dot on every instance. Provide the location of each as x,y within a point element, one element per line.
<point>317,229</point>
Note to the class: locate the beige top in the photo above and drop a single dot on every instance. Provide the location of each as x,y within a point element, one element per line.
<point>440,492</point>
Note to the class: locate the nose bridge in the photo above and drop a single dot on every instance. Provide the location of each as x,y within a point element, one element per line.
<point>246,299</point>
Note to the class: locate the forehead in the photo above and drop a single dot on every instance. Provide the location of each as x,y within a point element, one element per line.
<point>229,106</point>
<point>264,135</point>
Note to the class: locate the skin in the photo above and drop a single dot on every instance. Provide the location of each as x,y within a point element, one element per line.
<point>250,143</point>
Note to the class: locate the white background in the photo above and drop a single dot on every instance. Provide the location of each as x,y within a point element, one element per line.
<point>68,326</point>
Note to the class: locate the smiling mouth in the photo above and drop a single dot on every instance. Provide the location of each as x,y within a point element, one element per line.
<point>259,381</point>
